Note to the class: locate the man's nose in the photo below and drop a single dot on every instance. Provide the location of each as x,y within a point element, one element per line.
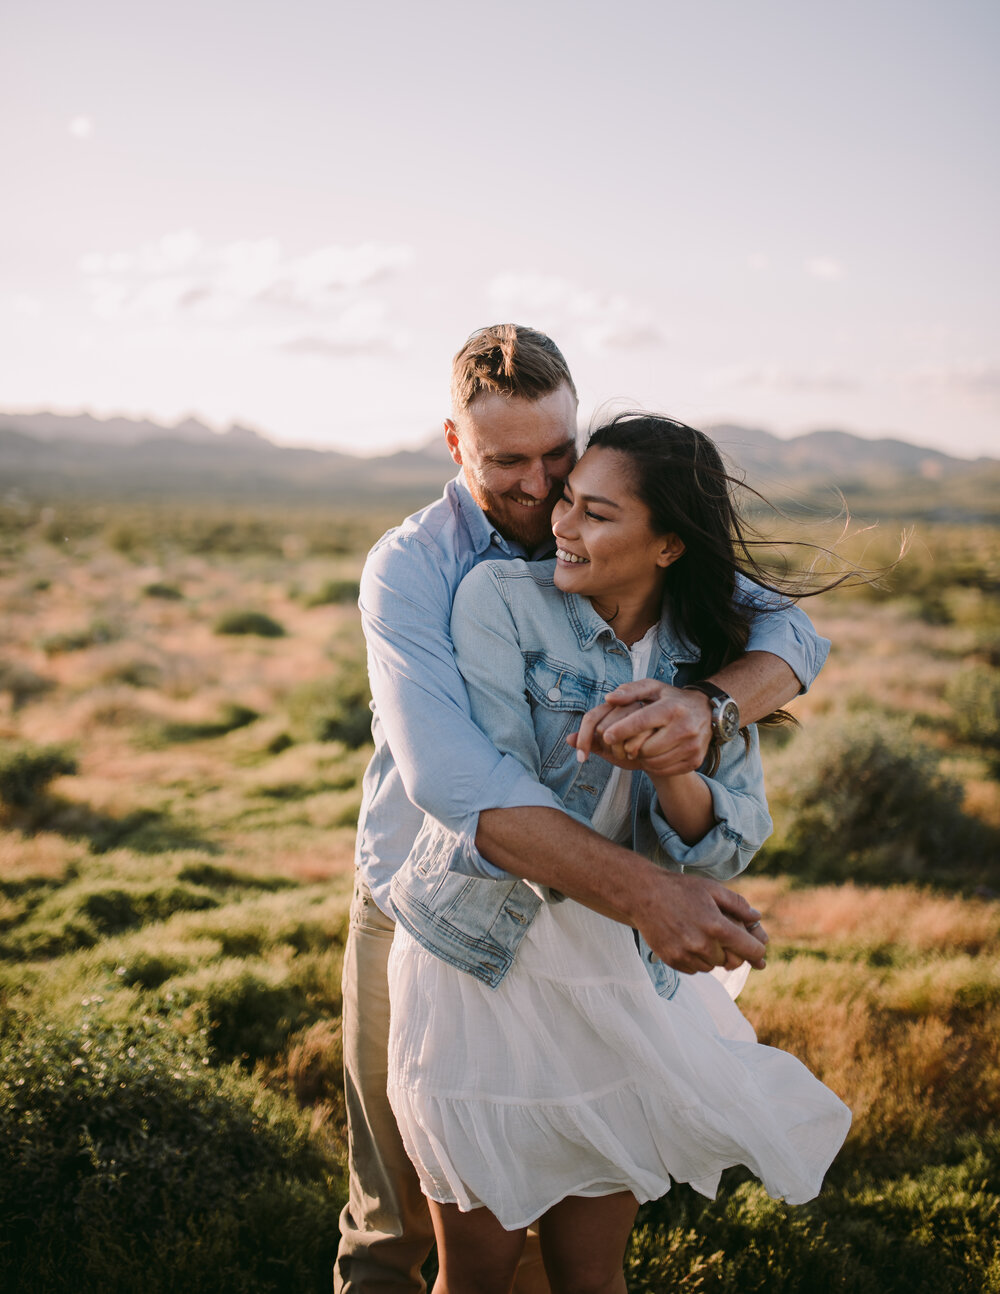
<point>536,480</point>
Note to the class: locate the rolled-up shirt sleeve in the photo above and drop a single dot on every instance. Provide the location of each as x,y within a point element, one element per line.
<point>449,768</point>
<point>783,629</point>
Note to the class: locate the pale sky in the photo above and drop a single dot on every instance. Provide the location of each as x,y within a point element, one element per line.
<point>782,214</point>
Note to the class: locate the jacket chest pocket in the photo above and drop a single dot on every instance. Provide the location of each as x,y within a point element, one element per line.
<point>559,696</point>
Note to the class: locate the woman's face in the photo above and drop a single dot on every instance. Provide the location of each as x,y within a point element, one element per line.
<point>606,547</point>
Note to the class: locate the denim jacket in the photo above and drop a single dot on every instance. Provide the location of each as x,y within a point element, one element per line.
<point>534,660</point>
<point>407,590</point>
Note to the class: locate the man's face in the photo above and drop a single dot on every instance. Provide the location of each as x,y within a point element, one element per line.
<point>515,455</point>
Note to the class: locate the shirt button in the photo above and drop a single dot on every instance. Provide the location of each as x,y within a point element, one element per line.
<point>554,694</point>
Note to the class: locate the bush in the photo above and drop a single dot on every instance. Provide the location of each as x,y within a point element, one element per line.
<point>249,622</point>
<point>130,1165</point>
<point>26,771</point>
<point>336,708</point>
<point>862,799</point>
<point>974,695</point>
<point>333,592</point>
<point>168,592</point>
<point>22,684</point>
<point>246,1013</point>
<point>97,632</point>
<point>79,914</point>
<point>233,716</point>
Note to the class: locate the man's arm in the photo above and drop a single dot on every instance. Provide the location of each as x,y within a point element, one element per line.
<point>784,655</point>
<point>691,922</point>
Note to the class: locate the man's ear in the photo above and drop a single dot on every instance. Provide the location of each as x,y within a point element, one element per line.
<point>673,547</point>
<point>451,438</point>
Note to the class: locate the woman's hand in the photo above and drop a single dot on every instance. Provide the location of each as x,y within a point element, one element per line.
<point>669,727</point>
<point>590,739</point>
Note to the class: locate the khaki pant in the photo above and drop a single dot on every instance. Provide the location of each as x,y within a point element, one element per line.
<point>385,1228</point>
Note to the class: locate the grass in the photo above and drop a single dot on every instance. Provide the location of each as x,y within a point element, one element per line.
<point>175,864</point>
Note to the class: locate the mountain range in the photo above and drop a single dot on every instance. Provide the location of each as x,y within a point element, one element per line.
<point>59,455</point>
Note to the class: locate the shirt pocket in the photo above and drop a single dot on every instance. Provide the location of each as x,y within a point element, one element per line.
<point>559,696</point>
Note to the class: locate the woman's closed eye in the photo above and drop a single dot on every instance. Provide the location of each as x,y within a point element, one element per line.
<point>587,512</point>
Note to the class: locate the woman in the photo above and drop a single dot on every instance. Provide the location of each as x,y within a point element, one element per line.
<point>544,1065</point>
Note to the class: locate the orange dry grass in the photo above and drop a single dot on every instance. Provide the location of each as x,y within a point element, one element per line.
<point>891,996</point>
<point>45,855</point>
<point>858,916</point>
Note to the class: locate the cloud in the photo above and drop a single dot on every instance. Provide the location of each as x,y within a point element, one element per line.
<point>774,378</point>
<point>601,321</point>
<point>181,274</point>
<point>362,329</point>
<point>81,127</point>
<point>26,305</point>
<point>974,379</point>
<point>824,267</point>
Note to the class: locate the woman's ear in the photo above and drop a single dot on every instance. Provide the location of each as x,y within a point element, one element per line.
<point>673,547</point>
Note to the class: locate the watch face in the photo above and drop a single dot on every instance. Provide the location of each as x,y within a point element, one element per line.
<point>728,720</point>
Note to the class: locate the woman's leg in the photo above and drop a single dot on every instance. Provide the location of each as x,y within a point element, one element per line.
<point>583,1243</point>
<point>475,1254</point>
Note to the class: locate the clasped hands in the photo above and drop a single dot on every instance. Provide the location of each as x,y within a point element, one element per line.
<point>647,725</point>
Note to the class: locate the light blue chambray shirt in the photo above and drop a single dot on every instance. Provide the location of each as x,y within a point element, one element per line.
<point>429,755</point>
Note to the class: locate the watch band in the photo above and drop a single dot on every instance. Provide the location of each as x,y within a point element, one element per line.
<point>725,711</point>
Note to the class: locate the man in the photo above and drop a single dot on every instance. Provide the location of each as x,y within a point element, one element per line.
<point>513,433</point>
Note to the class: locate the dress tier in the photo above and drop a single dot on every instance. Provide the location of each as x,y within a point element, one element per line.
<point>573,1077</point>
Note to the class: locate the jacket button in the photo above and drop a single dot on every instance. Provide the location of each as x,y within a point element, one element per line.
<point>554,694</point>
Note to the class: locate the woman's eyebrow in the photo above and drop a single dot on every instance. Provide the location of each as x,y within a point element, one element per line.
<point>599,498</point>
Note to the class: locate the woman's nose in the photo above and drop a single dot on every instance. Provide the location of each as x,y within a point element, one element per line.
<point>561,514</point>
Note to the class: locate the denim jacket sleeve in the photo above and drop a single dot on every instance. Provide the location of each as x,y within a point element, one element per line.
<point>449,768</point>
<point>782,628</point>
<point>739,807</point>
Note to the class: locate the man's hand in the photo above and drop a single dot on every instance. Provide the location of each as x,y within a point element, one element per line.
<point>694,924</point>
<point>671,727</point>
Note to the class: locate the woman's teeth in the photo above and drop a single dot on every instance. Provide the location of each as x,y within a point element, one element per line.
<point>563,556</point>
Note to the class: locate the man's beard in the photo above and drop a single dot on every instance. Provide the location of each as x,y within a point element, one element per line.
<point>529,527</point>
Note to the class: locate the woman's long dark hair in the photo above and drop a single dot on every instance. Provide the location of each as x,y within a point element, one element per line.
<point>679,475</point>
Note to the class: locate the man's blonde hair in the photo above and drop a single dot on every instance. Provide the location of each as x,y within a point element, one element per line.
<point>508,360</point>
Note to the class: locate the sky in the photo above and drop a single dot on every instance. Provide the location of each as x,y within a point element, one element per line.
<point>779,213</point>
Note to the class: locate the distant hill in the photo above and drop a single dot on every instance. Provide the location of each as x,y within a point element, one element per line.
<point>47,455</point>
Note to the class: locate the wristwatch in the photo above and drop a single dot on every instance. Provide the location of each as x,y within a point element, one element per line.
<point>725,711</point>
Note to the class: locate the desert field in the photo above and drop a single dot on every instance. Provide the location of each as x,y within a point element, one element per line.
<point>184,724</point>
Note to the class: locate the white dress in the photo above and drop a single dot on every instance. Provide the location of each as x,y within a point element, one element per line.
<point>573,1077</point>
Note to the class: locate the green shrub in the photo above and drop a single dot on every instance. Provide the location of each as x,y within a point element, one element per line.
<point>249,622</point>
<point>974,695</point>
<point>22,684</point>
<point>129,1164</point>
<point>213,877</point>
<point>923,1231</point>
<point>247,1013</point>
<point>26,771</point>
<point>168,592</point>
<point>79,914</point>
<point>861,798</point>
<point>336,708</point>
<point>333,592</point>
<point>233,716</point>
<point>97,632</point>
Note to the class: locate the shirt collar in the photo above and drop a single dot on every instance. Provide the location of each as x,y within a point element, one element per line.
<point>482,531</point>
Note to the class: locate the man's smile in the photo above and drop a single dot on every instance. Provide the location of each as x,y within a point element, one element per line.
<point>526,501</point>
